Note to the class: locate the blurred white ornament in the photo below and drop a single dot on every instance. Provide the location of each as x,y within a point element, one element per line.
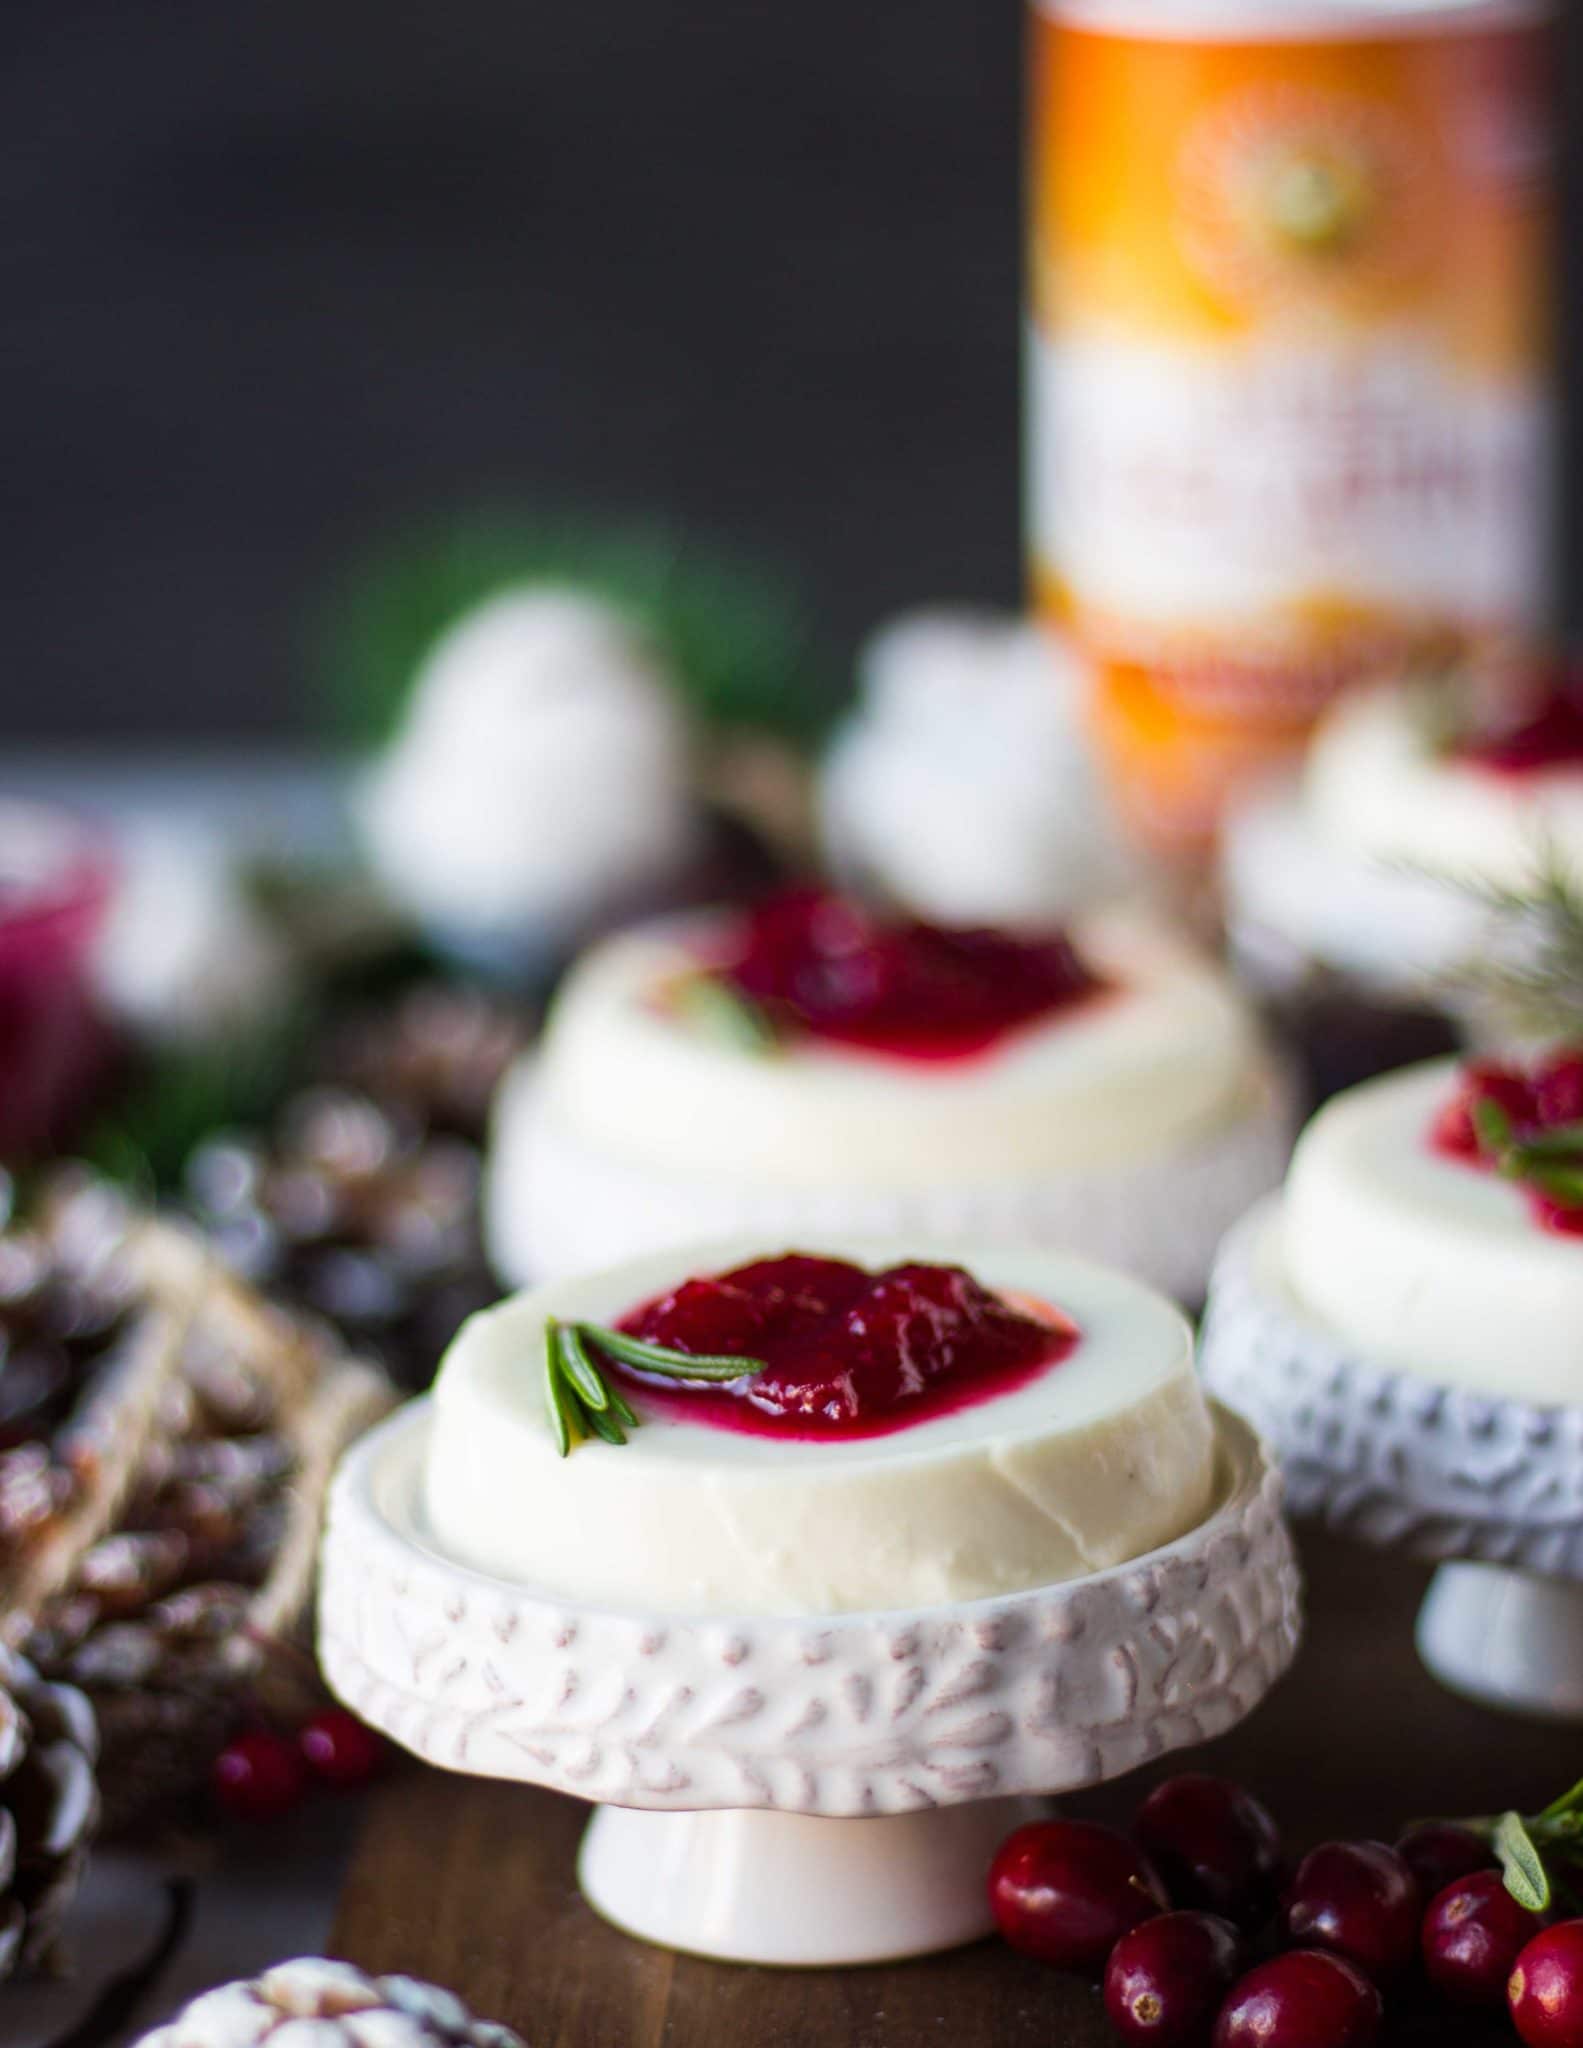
<point>184,956</point>
<point>540,781</point>
<point>964,786</point>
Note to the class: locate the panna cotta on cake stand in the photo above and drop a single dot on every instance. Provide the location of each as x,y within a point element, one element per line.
<point>929,1541</point>
<point>814,1067</point>
<point>1405,1325</point>
<point>1363,884</point>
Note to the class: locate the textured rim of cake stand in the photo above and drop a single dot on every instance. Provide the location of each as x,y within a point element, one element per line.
<point>1491,1488</point>
<point>739,1727</point>
<point>555,1206</point>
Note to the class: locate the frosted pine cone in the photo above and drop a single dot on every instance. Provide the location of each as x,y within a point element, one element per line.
<point>316,2004</point>
<point>48,1806</point>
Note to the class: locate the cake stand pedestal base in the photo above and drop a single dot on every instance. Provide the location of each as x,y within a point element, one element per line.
<point>792,1889</point>
<point>1506,1638</point>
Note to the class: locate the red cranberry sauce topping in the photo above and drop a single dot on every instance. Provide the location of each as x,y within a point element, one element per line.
<point>1521,1122</point>
<point>847,1353</point>
<point>55,1046</point>
<point>1548,737</point>
<point>823,966</point>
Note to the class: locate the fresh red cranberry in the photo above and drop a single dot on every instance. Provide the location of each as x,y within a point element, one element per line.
<point>259,1775</point>
<point>1472,1935</point>
<point>1438,1851</point>
<point>1067,1890</point>
<point>340,1749</point>
<point>1306,1999</point>
<point>1214,1845</point>
<point>1167,1977</point>
<point>1545,1992</point>
<point>1359,1900</point>
<point>1558,1089</point>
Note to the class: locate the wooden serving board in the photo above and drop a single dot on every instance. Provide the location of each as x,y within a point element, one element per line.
<point>471,1884</point>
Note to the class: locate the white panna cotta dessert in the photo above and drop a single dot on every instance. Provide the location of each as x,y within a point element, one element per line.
<point>1432,1224</point>
<point>810,1067</point>
<point>539,784</point>
<point>1412,806</point>
<point>977,723</point>
<point>878,1433</point>
<point>1434,1253</point>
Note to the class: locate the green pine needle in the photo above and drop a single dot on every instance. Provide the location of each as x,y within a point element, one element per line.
<point>1530,972</point>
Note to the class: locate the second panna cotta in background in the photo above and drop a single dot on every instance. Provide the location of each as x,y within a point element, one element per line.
<point>819,1431</point>
<point>813,1066</point>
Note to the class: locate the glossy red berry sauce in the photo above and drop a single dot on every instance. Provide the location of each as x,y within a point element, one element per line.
<point>823,967</point>
<point>54,1046</point>
<point>1549,737</point>
<point>848,1353</point>
<point>1540,1101</point>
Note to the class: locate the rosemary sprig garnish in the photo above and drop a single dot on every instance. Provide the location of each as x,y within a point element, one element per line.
<point>580,1400</point>
<point>1550,1161</point>
<point>1530,971</point>
<point>725,1013</point>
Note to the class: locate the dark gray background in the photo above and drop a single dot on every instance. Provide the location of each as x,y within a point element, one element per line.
<point>282,275</point>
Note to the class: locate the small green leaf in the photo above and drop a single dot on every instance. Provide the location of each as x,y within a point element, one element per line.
<point>717,1008</point>
<point>620,1410</point>
<point>1522,1867</point>
<point>581,1373</point>
<point>1492,1124</point>
<point>656,1358</point>
<point>604,1425</point>
<point>1562,1183</point>
<point>1561,1141</point>
<point>556,1404</point>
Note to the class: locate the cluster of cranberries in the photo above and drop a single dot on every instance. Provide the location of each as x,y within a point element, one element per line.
<point>1543,1103</point>
<point>263,1773</point>
<point>1176,1921</point>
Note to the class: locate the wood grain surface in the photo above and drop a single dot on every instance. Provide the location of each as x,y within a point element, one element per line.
<point>471,1884</point>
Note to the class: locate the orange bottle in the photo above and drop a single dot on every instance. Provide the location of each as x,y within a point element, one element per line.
<point>1290,361</point>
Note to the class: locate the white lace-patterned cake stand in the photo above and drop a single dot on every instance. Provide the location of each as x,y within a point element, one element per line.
<point>800,1790</point>
<point>1491,1487</point>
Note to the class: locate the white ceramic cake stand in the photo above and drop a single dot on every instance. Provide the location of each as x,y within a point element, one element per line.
<point>800,1790</point>
<point>1398,1459</point>
<point>555,1206</point>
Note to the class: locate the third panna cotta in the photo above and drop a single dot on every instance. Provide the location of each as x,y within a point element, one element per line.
<point>813,1066</point>
<point>827,1430</point>
<point>1433,1222</point>
<point>1417,803</point>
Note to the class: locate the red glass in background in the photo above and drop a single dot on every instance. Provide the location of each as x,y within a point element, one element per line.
<point>55,1047</point>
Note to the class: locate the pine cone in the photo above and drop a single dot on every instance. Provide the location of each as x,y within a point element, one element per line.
<point>172,1583</point>
<point>360,1203</point>
<point>48,1807</point>
<point>316,2004</point>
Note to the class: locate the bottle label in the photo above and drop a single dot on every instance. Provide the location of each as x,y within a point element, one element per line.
<point>1288,379</point>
